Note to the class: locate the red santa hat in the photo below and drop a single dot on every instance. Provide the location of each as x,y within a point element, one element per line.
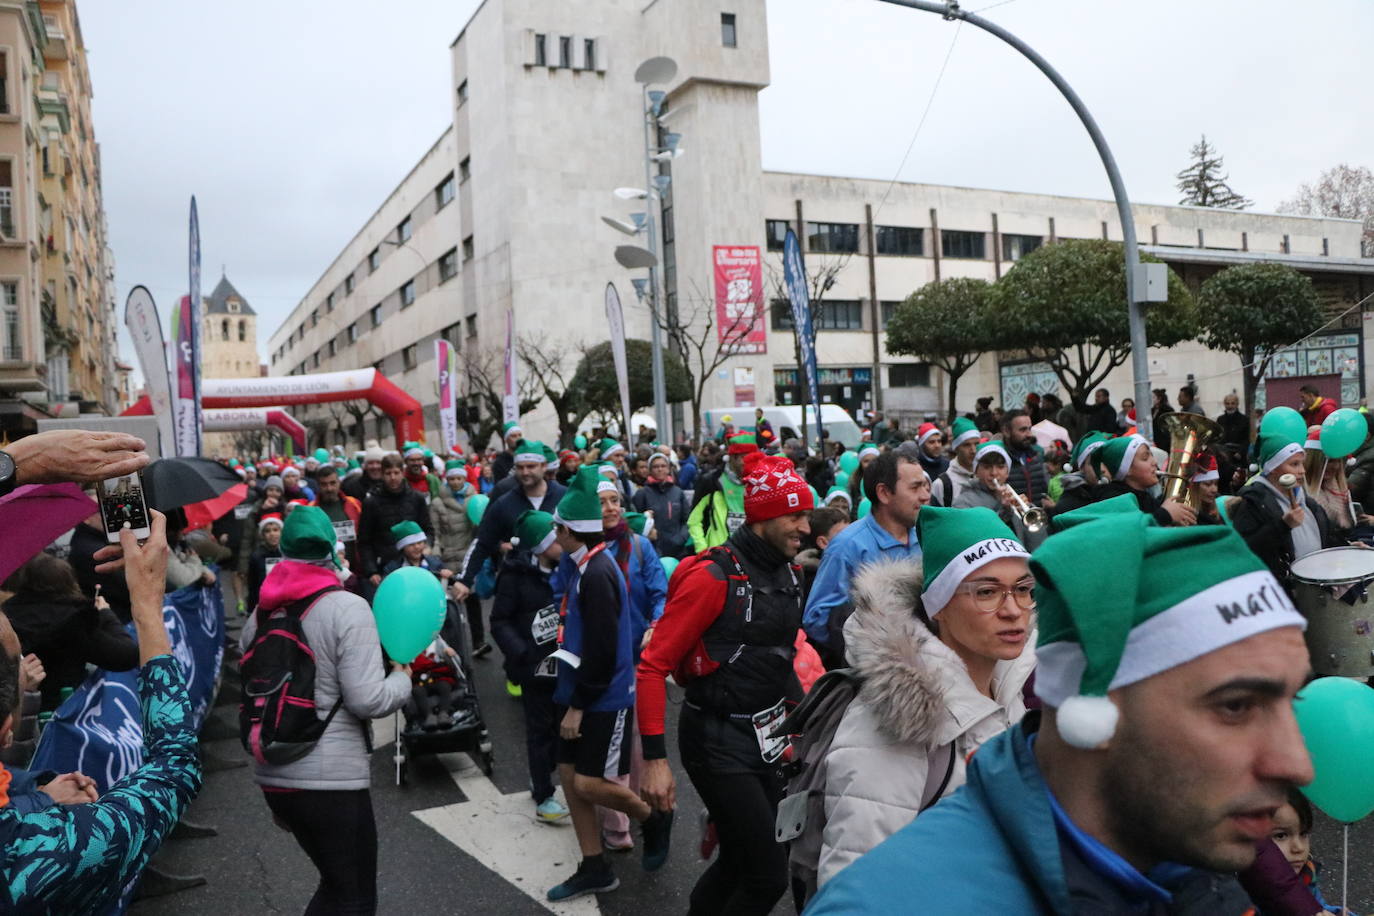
<point>269,518</point>
<point>1314,438</point>
<point>772,488</point>
<point>925,431</point>
<point>1205,468</point>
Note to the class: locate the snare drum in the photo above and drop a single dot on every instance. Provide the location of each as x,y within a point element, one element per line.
<point>1340,635</point>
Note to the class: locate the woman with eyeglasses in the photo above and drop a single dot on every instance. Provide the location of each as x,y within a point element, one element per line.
<point>942,662</point>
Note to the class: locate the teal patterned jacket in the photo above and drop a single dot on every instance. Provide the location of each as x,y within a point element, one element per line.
<point>79,859</point>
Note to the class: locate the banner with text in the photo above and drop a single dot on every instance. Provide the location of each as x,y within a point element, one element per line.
<point>445,361</point>
<point>193,288</point>
<point>794,278</point>
<point>140,317</point>
<point>615,318</point>
<point>185,396</point>
<point>740,324</point>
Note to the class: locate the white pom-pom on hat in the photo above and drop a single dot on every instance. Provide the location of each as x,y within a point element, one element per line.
<point>1087,722</point>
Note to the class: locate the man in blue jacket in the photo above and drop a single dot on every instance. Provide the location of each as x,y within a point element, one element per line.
<point>1168,666</point>
<point>899,489</point>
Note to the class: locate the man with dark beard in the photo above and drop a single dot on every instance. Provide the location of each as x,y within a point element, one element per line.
<point>1168,668</point>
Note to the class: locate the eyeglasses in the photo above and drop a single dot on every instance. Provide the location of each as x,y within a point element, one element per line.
<point>989,596</point>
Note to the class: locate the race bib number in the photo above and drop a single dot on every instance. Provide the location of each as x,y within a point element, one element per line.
<point>547,668</point>
<point>734,521</point>
<point>545,626</point>
<point>269,562</point>
<point>241,512</point>
<point>343,531</point>
<point>764,722</point>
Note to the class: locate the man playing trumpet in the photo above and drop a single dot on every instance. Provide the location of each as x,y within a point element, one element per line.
<point>1275,516</point>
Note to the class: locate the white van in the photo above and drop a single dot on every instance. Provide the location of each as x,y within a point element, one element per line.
<point>786,420</point>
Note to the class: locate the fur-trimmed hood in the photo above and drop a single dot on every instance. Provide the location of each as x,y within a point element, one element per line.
<point>917,687</point>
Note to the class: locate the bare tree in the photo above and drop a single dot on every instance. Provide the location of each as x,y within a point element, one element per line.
<point>338,414</point>
<point>820,277</point>
<point>548,372</point>
<point>1343,191</point>
<point>484,391</point>
<point>250,443</point>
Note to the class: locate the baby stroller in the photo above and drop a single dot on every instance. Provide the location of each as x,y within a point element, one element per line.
<point>467,733</point>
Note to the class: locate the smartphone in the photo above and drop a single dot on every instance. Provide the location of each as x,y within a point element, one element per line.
<point>1357,509</point>
<point>122,506</point>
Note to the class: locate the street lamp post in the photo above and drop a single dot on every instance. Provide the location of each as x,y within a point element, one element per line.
<point>1151,286</point>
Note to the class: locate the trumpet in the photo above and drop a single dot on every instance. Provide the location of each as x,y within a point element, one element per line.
<point>1032,517</point>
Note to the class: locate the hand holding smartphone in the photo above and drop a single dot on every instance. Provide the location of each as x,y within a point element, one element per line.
<point>122,505</point>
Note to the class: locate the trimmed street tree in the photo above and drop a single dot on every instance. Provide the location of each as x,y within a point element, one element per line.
<point>599,392</point>
<point>1204,185</point>
<point>1253,311</point>
<point>1066,304</point>
<point>948,324</point>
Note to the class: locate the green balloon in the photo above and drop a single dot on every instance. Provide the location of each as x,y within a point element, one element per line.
<point>1284,422</point>
<point>579,442</point>
<point>848,462</point>
<point>1343,432</point>
<point>477,506</point>
<point>669,565</point>
<point>865,507</point>
<point>1336,716</point>
<point>410,608</point>
<point>842,479</point>
<point>321,455</point>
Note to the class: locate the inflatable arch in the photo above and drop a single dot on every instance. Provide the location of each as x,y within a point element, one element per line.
<point>233,419</point>
<point>321,388</point>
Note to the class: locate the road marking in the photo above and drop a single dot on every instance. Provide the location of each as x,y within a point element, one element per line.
<point>501,832</point>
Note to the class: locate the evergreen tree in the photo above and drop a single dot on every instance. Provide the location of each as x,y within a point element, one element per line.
<point>1204,185</point>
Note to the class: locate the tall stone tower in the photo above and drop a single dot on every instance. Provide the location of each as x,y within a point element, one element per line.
<point>229,347</point>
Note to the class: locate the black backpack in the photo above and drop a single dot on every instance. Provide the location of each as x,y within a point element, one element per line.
<point>277,719</point>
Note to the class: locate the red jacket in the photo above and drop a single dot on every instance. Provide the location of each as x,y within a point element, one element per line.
<point>1319,411</point>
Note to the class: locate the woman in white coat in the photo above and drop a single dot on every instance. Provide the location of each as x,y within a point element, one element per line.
<point>943,661</point>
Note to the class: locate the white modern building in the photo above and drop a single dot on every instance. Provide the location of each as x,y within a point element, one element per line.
<point>504,213</point>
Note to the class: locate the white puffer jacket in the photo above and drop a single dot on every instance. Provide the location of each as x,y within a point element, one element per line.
<point>916,697</point>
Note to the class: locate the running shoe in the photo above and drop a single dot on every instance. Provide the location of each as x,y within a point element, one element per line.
<point>617,842</point>
<point>551,810</point>
<point>585,882</point>
<point>657,831</point>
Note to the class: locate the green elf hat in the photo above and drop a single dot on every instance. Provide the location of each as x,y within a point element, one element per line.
<point>955,543</point>
<point>580,508</point>
<point>869,449</point>
<point>609,477</point>
<point>550,456</point>
<point>742,444</point>
<point>1117,454</point>
<point>309,535</point>
<point>963,430</point>
<point>835,493</point>
<point>413,449</point>
<point>988,448</point>
<point>534,531</point>
<point>1152,599</point>
<point>610,447</point>
<point>1275,450</point>
<point>407,533</point>
<point>529,451</point>
<point>510,426</point>
<point>1125,504</point>
<point>1084,448</point>
<point>639,522</point>
<point>454,464</point>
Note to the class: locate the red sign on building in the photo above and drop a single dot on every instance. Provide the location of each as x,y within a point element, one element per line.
<point>740,322</point>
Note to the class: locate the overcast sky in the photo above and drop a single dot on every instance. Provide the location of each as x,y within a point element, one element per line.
<point>292,121</point>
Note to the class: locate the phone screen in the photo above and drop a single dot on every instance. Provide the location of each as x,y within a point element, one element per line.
<point>122,505</point>
<point>1357,509</point>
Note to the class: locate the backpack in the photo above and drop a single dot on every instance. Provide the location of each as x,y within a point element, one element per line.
<point>277,718</point>
<point>801,814</point>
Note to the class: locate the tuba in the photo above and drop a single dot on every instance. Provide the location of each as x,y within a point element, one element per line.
<point>1188,434</point>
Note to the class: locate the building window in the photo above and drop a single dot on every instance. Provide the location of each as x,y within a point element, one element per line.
<point>841,315</point>
<point>7,202</point>
<point>955,243</point>
<point>840,238</point>
<point>564,51</point>
<point>1016,247</point>
<point>462,93</point>
<point>314,320</point>
<point>589,54</point>
<point>374,258</point>
<point>781,311</point>
<point>776,230</point>
<point>465,169</point>
<point>376,315</point>
<point>471,322</point>
<point>224,329</point>
<point>444,192</point>
<point>243,331</point>
<point>453,334</point>
<point>403,230</point>
<point>467,248</point>
<point>727,30</point>
<point>888,307</point>
<point>448,265</point>
<point>5,87</point>
<point>332,348</point>
<point>900,240</point>
<point>353,333</point>
<point>908,375</point>
<point>315,360</point>
<point>408,293</point>
<point>9,320</point>
<point>348,284</point>
<point>408,357</point>
<point>541,50</point>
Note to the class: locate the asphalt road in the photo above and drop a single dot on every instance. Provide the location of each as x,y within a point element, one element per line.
<point>452,841</point>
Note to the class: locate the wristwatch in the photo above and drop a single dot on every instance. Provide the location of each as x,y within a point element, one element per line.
<point>9,474</point>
